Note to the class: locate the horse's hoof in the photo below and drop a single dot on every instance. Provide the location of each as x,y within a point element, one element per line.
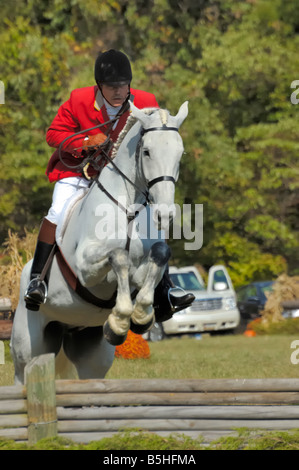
<point>112,337</point>
<point>141,329</point>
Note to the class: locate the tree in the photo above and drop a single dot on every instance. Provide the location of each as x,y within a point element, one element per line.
<point>234,61</point>
<point>34,71</point>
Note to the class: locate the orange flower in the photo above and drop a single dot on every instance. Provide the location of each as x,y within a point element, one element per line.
<point>135,347</point>
<point>249,333</point>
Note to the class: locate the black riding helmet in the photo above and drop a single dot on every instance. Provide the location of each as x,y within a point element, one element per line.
<point>112,67</point>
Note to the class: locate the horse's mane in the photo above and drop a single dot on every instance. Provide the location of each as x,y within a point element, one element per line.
<point>130,123</point>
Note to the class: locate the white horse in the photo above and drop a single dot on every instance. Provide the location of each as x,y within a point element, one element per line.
<point>107,255</point>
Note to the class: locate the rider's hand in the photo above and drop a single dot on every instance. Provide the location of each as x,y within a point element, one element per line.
<point>94,140</point>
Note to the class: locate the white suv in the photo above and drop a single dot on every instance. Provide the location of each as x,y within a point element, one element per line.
<point>214,307</point>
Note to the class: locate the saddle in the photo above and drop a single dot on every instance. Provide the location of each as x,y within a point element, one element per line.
<point>66,270</point>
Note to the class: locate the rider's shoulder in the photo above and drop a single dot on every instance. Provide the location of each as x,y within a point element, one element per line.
<point>143,99</point>
<point>83,93</point>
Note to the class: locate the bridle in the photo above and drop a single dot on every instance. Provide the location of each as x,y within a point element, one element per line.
<point>132,215</point>
<point>165,177</point>
<point>150,183</point>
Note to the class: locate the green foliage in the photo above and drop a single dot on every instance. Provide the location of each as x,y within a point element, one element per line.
<point>137,439</point>
<point>288,326</point>
<point>34,71</point>
<point>131,439</point>
<point>234,61</point>
<point>245,259</point>
<point>258,440</point>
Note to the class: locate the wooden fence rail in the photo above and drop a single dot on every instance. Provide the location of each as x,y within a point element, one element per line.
<point>13,413</point>
<point>85,410</point>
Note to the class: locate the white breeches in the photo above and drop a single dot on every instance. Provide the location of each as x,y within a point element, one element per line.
<point>63,190</point>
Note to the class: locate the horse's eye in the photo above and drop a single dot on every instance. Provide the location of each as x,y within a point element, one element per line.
<point>146,152</point>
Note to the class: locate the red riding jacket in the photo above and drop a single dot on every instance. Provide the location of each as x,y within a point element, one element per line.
<point>84,109</point>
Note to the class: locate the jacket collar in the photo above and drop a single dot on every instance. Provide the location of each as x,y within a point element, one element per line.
<point>99,101</point>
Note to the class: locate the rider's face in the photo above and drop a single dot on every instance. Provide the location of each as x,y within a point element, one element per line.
<point>115,94</point>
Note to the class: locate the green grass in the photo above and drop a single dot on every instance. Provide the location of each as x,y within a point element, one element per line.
<point>7,369</point>
<point>228,356</point>
<point>212,357</point>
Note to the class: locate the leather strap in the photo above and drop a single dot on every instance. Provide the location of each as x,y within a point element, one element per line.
<point>48,263</point>
<point>162,128</point>
<point>160,178</point>
<point>47,232</point>
<point>73,281</point>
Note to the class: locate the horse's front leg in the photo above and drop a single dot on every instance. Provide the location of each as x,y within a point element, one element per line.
<point>143,314</point>
<point>118,323</point>
<point>91,264</point>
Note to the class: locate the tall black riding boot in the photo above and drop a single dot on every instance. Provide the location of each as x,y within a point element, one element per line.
<point>36,292</point>
<point>166,304</point>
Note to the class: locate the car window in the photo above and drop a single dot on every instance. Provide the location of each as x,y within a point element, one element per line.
<point>187,281</point>
<point>241,294</point>
<point>219,276</point>
<point>251,291</point>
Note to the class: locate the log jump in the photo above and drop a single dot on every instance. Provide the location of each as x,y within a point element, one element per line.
<point>85,410</point>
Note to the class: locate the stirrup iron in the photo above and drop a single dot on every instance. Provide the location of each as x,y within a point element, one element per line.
<point>43,283</point>
<point>173,308</point>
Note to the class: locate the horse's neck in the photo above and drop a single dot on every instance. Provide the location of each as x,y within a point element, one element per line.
<point>125,161</point>
<point>113,181</point>
<point>125,156</point>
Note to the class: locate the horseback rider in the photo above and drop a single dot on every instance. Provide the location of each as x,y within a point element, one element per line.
<point>86,108</point>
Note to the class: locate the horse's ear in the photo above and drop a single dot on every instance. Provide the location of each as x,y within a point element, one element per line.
<point>140,115</point>
<point>182,114</point>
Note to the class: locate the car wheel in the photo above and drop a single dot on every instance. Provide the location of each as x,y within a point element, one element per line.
<point>156,333</point>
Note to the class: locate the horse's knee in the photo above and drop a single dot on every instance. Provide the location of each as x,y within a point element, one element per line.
<point>160,253</point>
<point>120,262</point>
<point>119,259</point>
